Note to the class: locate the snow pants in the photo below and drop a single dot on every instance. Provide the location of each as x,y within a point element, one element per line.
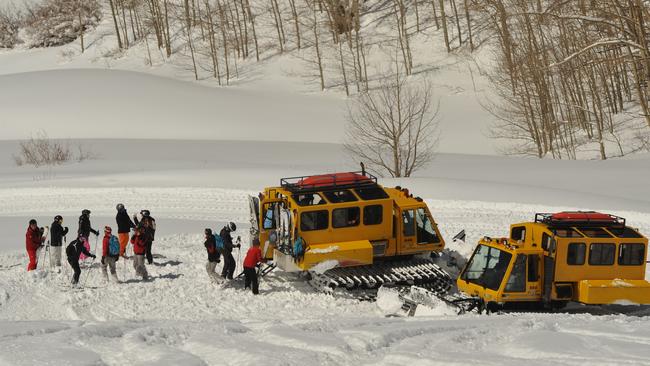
<point>210,268</point>
<point>77,270</point>
<point>55,256</point>
<point>250,278</point>
<point>138,265</point>
<point>148,252</point>
<point>124,241</point>
<point>33,259</point>
<point>228,265</point>
<point>110,263</point>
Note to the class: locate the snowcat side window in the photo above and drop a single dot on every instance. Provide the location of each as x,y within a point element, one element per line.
<point>408,222</point>
<point>517,279</point>
<point>576,254</point>
<point>548,243</point>
<point>314,220</point>
<point>373,214</point>
<point>533,268</point>
<point>595,232</point>
<point>601,254</point>
<point>269,216</point>
<point>371,193</point>
<point>631,254</point>
<point>487,267</point>
<point>518,233</point>
<point>345,217</point>
<point>340,196</point>
<point>426,233</point>
<point>567,233</point>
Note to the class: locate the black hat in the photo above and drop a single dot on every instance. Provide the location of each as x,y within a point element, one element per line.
<point>32,222</point>
<point>85,212</point>
<point>58,218</point>
<point>231,226</point>
<point>145,212</point>
<point>119,207</point>
<point>208,231</point>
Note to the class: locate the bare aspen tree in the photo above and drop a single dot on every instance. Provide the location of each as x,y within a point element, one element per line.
<point>278,23</point>
<point>294,12</point>
<point>435,14</point>
<point>469,25</point>
<point>443,19</point>
<point>394,128</point>
<point>222,26</point>
<point>460,34</point>
<point>117,29</point>
<point>188,30</point>
<point>251,16</point>
<point>81,29</point>
<point>213,43</point>
<point>343,72</point>
<point>319,58</point>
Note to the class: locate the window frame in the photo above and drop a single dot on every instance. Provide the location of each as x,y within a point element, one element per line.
<point>413,223</point>
<point>316,212</point>
<point>520,229</point>
<point>620,256</point>
<point>584,253</point>
<point>331,196</point>
<point>358,222</point>
<point>381,215</point>
<point>592,245</point>
<point>523,273</point>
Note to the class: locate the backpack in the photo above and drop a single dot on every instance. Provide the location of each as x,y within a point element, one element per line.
<point>70,250</point>
<point>219,242</point>
<point>113,246</point>
<point>298,250</point>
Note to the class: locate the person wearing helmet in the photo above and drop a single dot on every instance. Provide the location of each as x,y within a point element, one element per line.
<point>228,260</point>
<point>57,232</point>
<point>124,226</point>
<point>33,241</point>
<point>73,251</point>
<point>213,255</point>
<point>139,248</point>
<point>110,254</point>
<point>84,225</point>
<point>149,224</point>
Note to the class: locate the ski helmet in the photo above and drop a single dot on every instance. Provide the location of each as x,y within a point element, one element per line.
<point>119,207</point>
<point>33,222</point>
<point>145,213</point>
<point>231,226</point>
<point>85,212</point>
<point>58,218</point>
<point>108,229</point>
<point>208,231</point>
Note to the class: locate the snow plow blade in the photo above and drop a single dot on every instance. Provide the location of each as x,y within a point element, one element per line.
<point>617,291</point>
<point>347,254</point>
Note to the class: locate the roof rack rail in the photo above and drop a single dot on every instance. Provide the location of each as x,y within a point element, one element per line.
<point>579,219</point>
<point>327,182</point>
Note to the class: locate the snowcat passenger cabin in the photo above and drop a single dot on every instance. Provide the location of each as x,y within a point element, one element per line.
<point>587,257</point>
<point>345,219</point>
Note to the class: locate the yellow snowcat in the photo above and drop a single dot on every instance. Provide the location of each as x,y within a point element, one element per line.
<point>348,232</point>
<point>585,257</point>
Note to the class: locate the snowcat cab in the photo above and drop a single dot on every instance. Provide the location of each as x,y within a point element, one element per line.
<point>586,257</point>
<point>342,220</point>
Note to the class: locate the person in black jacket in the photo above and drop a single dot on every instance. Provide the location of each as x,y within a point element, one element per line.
<point>57,232</point>
<point>84,225</point>
<point>228,260</point>
<point>213,255</point>
<point>73,251</point>
<point>149,224</point>
<point>124,226</point>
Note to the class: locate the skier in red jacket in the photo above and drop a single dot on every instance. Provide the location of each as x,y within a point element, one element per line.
<point>253,258</point>
<point>139,241</point>
<point>33,241</point>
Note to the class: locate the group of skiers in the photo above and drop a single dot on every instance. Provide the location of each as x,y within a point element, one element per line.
<point>222,244</point>
<point>113,247</point>
<point>144,230</point>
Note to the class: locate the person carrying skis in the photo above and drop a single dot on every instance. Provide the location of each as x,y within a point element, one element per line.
<point>73,251</point>
<point>149,224</point>
<point>124,226</point>
<point>228,260</point>
<point>33,241</point>
<point>57,232</point>
<point>252,260</point>
<point>110,253</point>
<point>139,242</point>
<point>213,255</point>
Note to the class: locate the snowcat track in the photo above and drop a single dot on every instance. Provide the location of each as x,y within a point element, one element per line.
<point>363,282</point>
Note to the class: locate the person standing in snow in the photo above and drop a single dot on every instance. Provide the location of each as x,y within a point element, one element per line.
<point>228,260</point>
<point>124,226</point>
<point>252,260</point>
<point>85,228</point>
<point>73,251</point>
<point>213,255</point>
<point>57,232</point>
<point>33,241</point>
<point>139,242</point>
<point>110,253</point>
<point>149,224</point>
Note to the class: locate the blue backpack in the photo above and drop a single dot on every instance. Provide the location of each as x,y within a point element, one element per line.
<point>113,246</point>
<point>219,242</point>
<point>298,250</point>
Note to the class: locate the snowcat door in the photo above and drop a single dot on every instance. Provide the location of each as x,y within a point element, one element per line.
<point>523,281</point>
<point>269,214</point>
<point>406,232</point>
<point>549,246</point>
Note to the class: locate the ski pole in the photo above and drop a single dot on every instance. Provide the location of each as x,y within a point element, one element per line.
<point>89,268</point>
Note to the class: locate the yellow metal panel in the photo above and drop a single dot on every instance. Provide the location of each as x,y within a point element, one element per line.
<point>347,254</point>
<point>615,291</point>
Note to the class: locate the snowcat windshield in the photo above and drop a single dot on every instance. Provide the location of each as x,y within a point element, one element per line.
<point>487,267</point>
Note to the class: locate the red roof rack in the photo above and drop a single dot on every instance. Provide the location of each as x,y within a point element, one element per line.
<point>579,218</point>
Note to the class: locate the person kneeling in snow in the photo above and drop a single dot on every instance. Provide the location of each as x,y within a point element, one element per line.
<point>252,260</point>
<point>139,242</point>
<point>73,251</point>
<point>33,241</point>
<point>110,253</point>
<point>213,255</point>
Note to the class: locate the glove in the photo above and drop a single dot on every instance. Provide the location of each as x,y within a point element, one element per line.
<point>103,259</point>
<point>218,260</point>
<point>93,256</point>
<point>66,228</point>
<point>96,233</point>
<point>238,245</point>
